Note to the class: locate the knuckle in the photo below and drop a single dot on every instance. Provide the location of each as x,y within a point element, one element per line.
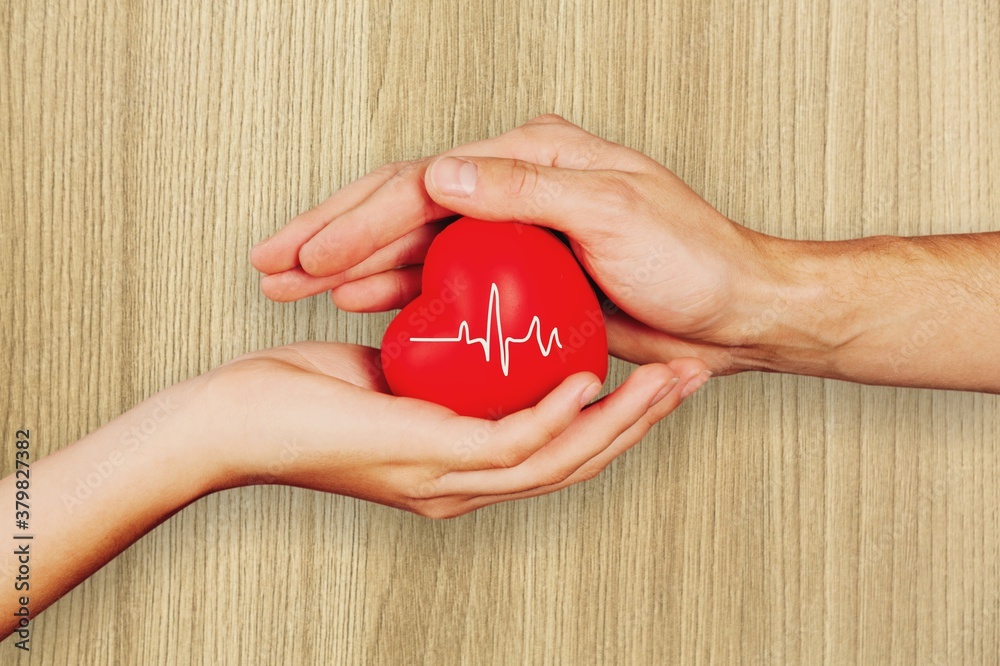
<point>549,119</point>
<point>425,490</point>
<point>410,168</point>
<point>399,254</point>
<point>585,151</point>
<point>616,193</point>
<point>312,260</point>
<point>522,180</point>
<point>589,472</point>
<point>548,429</point>
<point>547,126</point>
<point>408,183</point>
<point>400,180</point>
<point>507,457</point>
<point>557,477</point>
<point>405,180</point>
<point>391,169</point>
<point>439,510</point>
<point>429,207</point>
<point>399,285</point>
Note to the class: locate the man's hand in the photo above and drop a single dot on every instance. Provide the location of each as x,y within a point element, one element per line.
<point>688,281</point>
<point>670,261</point>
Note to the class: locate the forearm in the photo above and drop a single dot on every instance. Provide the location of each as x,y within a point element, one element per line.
<point>920,311</point>
<point>93,499</point>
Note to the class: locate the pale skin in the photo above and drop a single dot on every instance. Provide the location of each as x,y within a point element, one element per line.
<point>694,294</point>
<point>315,415</point>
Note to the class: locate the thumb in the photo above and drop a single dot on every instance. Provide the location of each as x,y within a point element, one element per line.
<point>499,190</point>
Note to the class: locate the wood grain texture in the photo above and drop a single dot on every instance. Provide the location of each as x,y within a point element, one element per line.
<point>144,148</point>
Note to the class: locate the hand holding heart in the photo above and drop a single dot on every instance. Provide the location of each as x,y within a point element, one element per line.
<point>688,281</point>
<point>319,415</point>
<point>368,244</point>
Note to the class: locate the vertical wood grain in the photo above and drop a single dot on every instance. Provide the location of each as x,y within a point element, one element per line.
<point>144,148</point>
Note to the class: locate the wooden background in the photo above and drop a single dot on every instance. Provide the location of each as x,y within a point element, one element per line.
<point>145,146</point>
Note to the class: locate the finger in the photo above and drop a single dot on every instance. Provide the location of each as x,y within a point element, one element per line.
<point>294,284</point>
<point>469,441</point>
<point>519,435</point>
<point>489,188</point>
<point>395,209</point>
<point>590,433</point>
<point>633,341</point>
<point>280,252</point>
<point>554,141</point>
<point>401,203</point>
<point>686,369</point>
<point>693,373</point>
<point>380,292</point>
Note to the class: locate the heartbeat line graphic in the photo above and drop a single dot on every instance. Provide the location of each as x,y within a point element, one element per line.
<point>493,311</point>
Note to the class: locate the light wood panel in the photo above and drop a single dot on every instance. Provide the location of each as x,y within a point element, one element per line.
<point>144,147</point>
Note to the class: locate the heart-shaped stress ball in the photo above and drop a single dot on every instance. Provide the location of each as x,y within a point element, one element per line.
<point>504,316</point>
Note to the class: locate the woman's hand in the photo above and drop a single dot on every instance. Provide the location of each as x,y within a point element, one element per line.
<point>318,415</point>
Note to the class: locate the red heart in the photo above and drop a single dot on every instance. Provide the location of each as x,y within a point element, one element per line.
<point>505,314</point>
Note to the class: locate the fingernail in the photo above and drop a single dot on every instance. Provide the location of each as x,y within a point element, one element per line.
<point>453,176</point>
<point>589,394</point>
<point>696,383</point>
<point>664,391</point>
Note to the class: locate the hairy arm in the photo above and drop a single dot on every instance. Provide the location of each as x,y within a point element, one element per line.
<point>686,280</point>
<point>921,311</point>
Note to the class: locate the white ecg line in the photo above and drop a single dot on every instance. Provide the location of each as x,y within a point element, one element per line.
<point>494,308</point>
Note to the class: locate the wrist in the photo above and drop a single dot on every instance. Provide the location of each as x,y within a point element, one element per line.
<point>187,442</point>
<point>804,306</point>
<point>870,310</point>
<point>249,423</point>
<point>97,496</point>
